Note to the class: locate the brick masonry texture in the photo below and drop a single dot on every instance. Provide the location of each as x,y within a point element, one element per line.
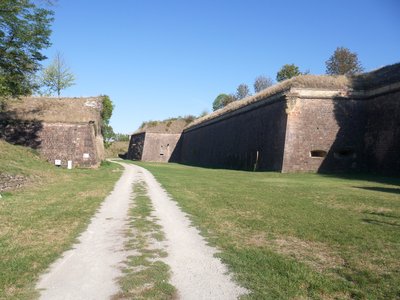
<point>78,144</point>
<point>235,141</point>
<point>32,122</point>
<point>156,147</point>
<point>310,124</point>
<point>334,126</point>
<point>136,144</point>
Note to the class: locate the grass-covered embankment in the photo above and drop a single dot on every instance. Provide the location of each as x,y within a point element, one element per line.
<point>41,220</point>
<point>295,236</point>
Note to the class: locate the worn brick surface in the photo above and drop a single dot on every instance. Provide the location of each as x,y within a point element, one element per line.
<point>382,137</point>
<point>135,149</point>
<point>349,133</point>
<point>334,126</point>
<point>308,124</point>
<point>76,142</point>
<point>59,128</point>
<point>160,147</point>
<point>234,142</point>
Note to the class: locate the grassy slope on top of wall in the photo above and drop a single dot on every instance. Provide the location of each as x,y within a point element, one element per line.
<point>43,218</point>
<point>296,236</point>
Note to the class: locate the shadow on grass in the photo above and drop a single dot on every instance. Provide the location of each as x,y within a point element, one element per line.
<point>383,214</point>
<point>379,222</point>
<point>370,177</point>
<point>380,189</point>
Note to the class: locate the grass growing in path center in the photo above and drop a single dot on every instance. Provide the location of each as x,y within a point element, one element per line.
<point>145,276</point>
<point>296,236</point>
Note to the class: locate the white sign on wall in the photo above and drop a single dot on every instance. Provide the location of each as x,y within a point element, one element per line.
<point>57,162</point>
<point>86,155</point>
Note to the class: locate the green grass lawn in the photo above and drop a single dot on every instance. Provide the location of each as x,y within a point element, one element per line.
<point>41,220</point>
<point>296,236</point>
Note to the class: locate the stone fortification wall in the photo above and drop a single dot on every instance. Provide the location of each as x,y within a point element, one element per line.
<point>160,147</point>
<point>324,133</point>
<point>136,144</point>
<point>382,137</point>
<point>77,141</point>
<point>239,139</point>
<point>309,123</point>
<point>157,141</point>
<point>59,128</point>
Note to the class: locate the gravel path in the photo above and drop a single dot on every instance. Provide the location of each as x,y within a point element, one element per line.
<point>196,273</point>
<point>89,271</point>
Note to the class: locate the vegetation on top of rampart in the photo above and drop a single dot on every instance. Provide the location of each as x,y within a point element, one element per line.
<point>374,79</point>
<point>48,109</point>
<point>170,125</point>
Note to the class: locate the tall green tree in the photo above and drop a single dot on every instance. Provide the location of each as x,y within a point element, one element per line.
<point>24,33</point>
<point>219,102</point>
<point>288,71</point>
<point>242,91</point>
<point>106,113</point>
<point>343,62</point>
<point>57,76</point>
<point>223,100</point>
<point>261,83</point>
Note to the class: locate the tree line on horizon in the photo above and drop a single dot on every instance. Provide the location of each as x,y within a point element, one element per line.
<point>342,62</point>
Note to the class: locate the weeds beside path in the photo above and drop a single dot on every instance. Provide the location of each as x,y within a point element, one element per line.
<point>292,236</point>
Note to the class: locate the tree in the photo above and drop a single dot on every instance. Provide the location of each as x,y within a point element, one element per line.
<point>287,71</point>
<point>343,62</point>
<point>106,113</point>
<point>24,32</point>
<point>261,83</point>
<point>223,100</point>
<point>57,76</point>
<point>219,101</point>
<point>108,135</point>
<point>242,91</point>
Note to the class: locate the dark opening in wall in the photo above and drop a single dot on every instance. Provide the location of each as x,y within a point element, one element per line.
<point>345,153</point>
<point>317,153</point>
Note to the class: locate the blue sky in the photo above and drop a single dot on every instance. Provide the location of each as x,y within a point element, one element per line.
<point>159,59</point>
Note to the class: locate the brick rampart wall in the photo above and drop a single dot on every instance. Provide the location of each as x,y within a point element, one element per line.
<point>306,124</point>
<point>382,137</point>
<point>136,144</point>
<point>160,147</point>
<point>325,135</point>
<point>63,141</point>
<point>332,131</point>
<point>233,141</point>
<point>76,142</point>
